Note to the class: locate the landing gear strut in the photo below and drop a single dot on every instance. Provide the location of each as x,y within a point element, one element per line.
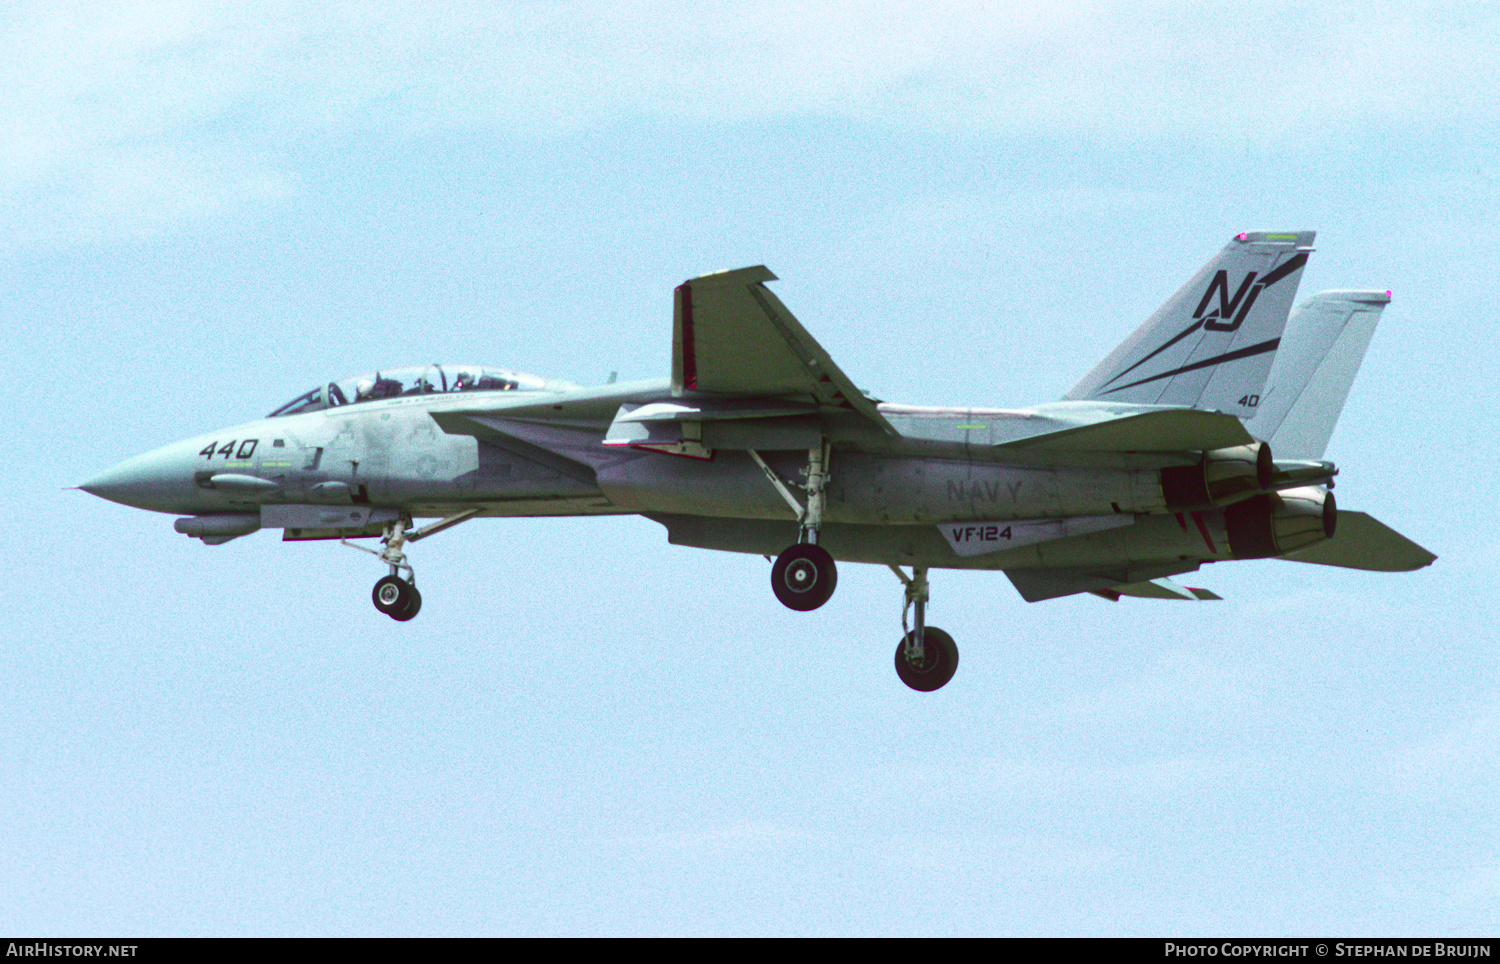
<point>926,657</point>
<point>804,575</point>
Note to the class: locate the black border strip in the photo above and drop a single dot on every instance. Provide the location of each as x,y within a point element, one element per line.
<point>1175,339</point>
<point>1259,349</point>
<point>1278,273</point>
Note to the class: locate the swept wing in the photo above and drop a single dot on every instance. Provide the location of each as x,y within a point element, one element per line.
<point>732,336</point>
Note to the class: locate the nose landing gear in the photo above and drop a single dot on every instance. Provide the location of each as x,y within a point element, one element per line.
<point>398,598</point>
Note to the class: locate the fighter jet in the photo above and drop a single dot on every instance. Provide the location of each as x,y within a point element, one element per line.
<point>1200,439</point>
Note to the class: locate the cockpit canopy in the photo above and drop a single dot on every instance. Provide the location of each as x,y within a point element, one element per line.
<point>416,380</point>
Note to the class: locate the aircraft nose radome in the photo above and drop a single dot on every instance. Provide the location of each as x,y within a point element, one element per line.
<point>143,482</point>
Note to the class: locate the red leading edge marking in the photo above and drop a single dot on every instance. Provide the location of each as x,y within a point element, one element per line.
<point>689,350</point>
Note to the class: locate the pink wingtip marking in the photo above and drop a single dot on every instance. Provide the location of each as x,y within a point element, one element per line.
<point>1387,294</point>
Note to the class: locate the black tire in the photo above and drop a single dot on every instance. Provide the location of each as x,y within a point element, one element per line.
<point>391,594</point>
<point>804,577</point>
<point>939,661</point>
<point>413,605</point>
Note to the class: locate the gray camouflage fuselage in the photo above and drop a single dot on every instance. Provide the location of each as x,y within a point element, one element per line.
<point>1159,460</point>
<point>899,501</point>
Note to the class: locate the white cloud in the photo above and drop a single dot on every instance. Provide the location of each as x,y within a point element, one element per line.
<point>203,106</point>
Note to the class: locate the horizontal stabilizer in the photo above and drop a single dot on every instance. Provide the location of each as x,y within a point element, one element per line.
<point>1162,588</point>
<point>1035,585</point>
<point>1361,542</point>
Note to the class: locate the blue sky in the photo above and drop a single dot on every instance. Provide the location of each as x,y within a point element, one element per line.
<point>205,209</point>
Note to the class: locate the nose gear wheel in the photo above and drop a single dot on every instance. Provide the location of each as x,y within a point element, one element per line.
<point>413,605</point>
<point>397,598</point>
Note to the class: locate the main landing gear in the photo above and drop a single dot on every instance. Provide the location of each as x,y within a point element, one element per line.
<point>393,595</point>
<point>926,657</point>
<point>804,575</point>
<point>804,578</point>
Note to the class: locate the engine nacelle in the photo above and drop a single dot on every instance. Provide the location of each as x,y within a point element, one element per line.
<point>1222,477</point>
<point>1281,522</point>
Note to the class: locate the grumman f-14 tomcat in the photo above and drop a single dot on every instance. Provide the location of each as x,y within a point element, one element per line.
<point>1199,439</point>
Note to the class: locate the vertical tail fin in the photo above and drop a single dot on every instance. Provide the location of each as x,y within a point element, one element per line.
<point>1211,345</point>
<point>1325,342</point>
